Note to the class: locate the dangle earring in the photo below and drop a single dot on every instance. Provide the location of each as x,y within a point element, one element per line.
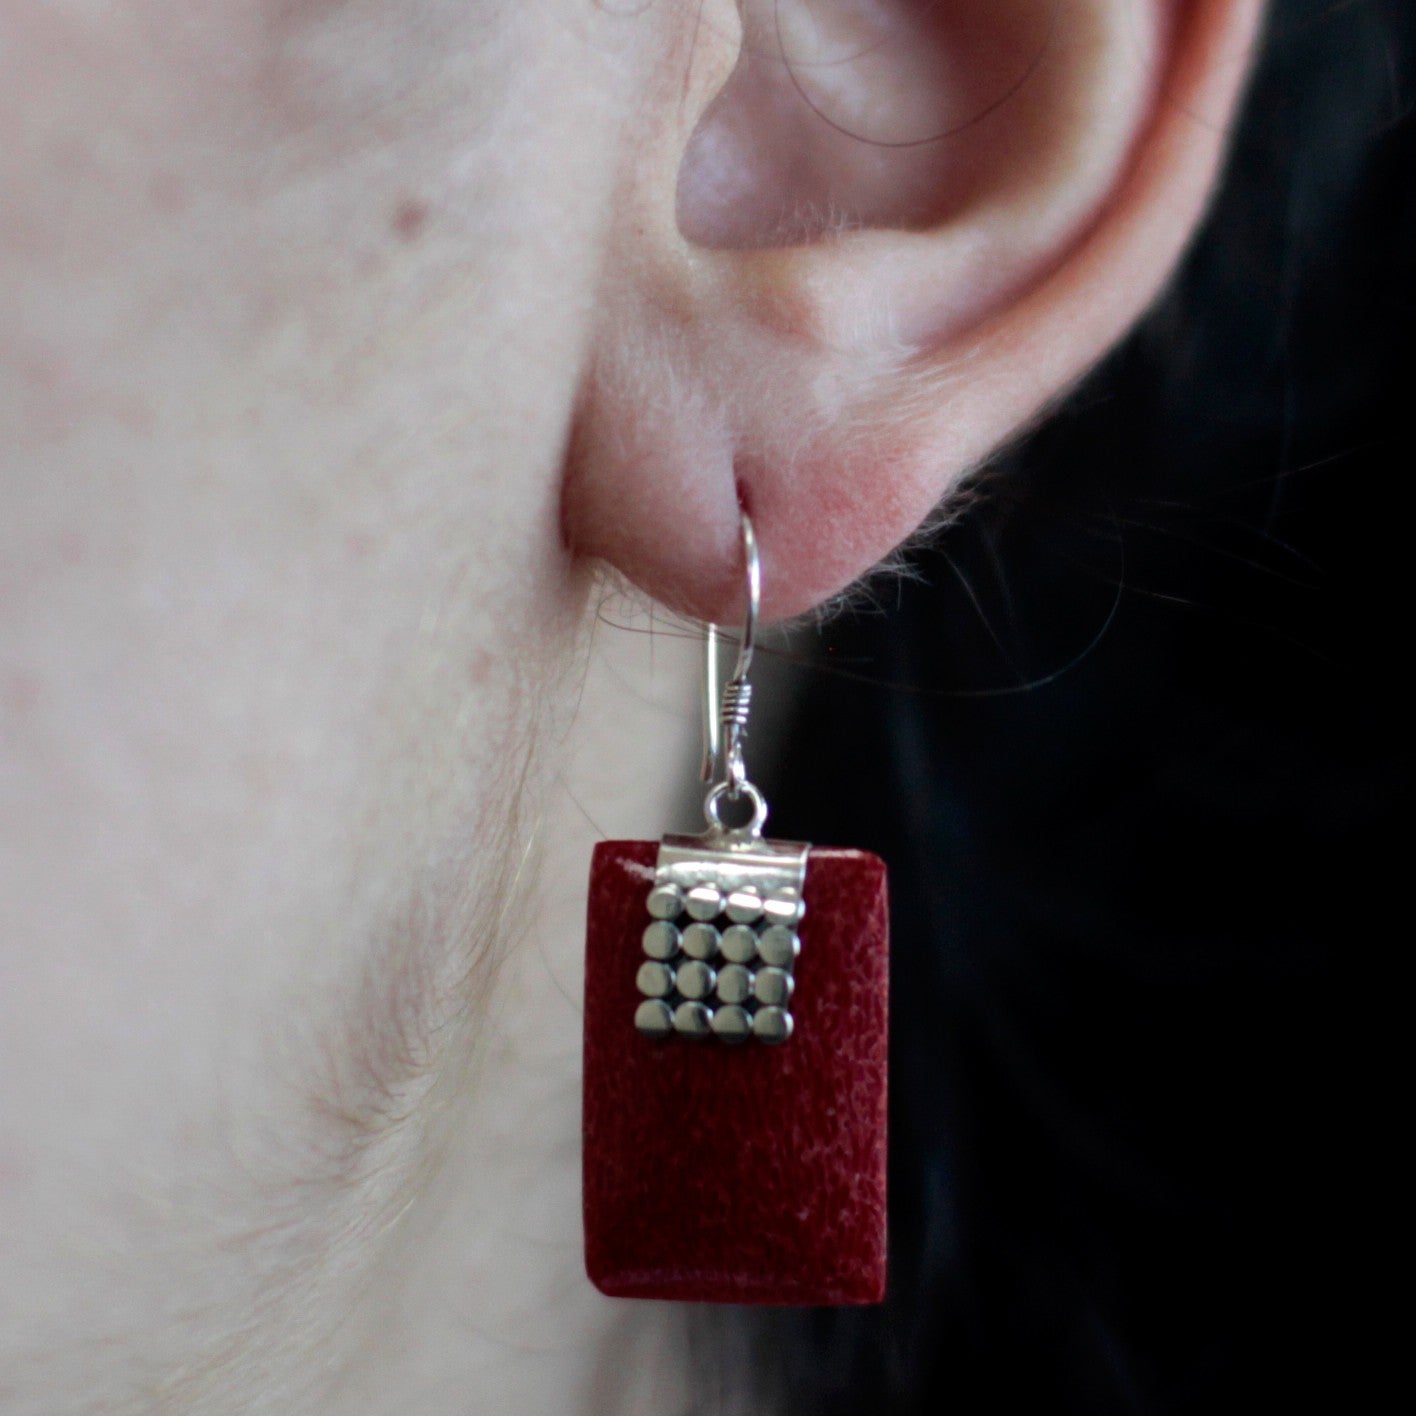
<point>735,1047</point>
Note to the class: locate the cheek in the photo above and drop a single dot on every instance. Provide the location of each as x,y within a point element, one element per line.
<point>215,1096</point>
<point>259,828</point>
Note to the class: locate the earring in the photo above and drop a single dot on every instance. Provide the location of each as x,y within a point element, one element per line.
<point>735,1047</point>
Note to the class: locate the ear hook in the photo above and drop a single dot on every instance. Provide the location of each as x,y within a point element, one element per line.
<point>726,706</point>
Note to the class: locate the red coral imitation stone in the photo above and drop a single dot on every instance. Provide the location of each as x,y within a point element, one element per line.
<point>746,1173</point>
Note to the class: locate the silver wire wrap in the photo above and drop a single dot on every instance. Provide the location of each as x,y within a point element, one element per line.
<point>737,702</point>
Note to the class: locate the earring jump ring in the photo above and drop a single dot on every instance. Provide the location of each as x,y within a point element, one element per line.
<point>713,807</point>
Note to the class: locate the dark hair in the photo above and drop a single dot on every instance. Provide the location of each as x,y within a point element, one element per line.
<point>1127,886</point>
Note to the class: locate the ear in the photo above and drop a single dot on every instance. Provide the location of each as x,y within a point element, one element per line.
<point>863,244</point>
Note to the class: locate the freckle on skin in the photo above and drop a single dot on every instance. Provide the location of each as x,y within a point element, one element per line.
<point>479,667</point>
<point>168,194</point>
<point>19,694</point>
<point>70,548</point>
<point>409,218</point>
<point>135,415</point>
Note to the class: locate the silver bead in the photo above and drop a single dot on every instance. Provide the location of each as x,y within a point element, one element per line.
<point>739,944</point>
<point>732,1024</point>
<point>744,907</point>
<point>704,902</point>
<point>696,979</point>
<point>778,946</point>
<point>654,1017</point>
<point>666,902</point>
<point>769,1024</point>
<point>700,941</point>
<point>734,984</point>
<point>773,987</point>
<point>655,980</point>
<point>661,940</point>
<point>692,1019</point>
<point>783,907</point>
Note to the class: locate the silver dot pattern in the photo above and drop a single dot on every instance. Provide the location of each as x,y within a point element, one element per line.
<point>695,979</point>
<point>778,946</point>
<point>655,1017</point>
<point>773,986</point>
<point>656,980</point>
<point>718,965</point>
<point>704,902</point>
<point>744,907</point>
<point>731,1023</point>
<point>666,902</point>
<point>700,941</point>
<point>772,1024</point>
<point>781,909</point>
<point>692,1019</point>
<point>734,984</point>
<point>661,940</point>
<point>739,944</point>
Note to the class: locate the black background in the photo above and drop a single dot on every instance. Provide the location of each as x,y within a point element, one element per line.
<point>1148,909</point>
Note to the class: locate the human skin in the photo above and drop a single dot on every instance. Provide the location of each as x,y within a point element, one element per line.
<point>345,345</point>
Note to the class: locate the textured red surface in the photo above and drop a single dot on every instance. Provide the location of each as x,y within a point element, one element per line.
<point>748,1173</point>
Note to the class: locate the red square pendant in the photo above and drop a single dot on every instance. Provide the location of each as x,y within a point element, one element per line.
<point>751,1172</point>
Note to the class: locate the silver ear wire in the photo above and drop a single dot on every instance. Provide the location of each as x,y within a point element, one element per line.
<point>726,705</point>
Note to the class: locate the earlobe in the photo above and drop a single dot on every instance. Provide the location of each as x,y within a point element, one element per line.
<point>833,330</point>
